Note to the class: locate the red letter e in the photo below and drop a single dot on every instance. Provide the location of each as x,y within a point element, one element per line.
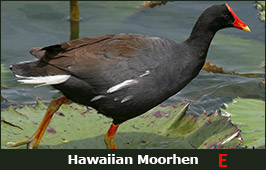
<point>221,160</point>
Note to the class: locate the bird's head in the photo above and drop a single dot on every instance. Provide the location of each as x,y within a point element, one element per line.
<point>222,16</point>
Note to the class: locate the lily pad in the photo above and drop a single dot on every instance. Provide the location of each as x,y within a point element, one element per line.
<point>215,69</point>
<point>75,126</point>
<point>249,116</point>
<point>153,4</point>
<point>212,68</point>
<point>261,6</point>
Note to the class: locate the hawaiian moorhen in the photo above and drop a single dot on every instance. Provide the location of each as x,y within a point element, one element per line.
<point>122,75</point>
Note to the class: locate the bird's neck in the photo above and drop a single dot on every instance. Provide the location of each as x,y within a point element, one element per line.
<point>200,40</point>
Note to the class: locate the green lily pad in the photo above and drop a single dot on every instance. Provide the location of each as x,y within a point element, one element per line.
<point>75,126</point>
<point>249,116</point>
<point>261,6</point>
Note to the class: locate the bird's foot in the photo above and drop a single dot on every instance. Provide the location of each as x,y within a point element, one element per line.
<point>34,141</point>
<point>31,143</point>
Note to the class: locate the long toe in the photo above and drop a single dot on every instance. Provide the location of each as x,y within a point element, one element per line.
<point>29,142</point>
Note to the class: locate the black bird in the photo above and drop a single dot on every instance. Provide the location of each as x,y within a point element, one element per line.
<point>122,75</point>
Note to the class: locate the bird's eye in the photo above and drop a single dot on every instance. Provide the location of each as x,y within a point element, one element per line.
<point>226,17</point>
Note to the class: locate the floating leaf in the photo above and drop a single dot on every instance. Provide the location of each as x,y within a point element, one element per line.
<point>212,68</point>
<point>75,126</point>
<point>249,75</point>
<point>249,116</point>
<point>215,69</point>
<point>3,99</point>
<point>261,6</point>
<point>153,4</point>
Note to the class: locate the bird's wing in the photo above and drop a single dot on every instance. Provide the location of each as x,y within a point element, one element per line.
<point>102,60</point>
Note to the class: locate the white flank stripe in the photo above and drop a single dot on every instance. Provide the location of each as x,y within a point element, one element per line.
<point>97,98</point>
<point>45,80</point>
<point>122,85</point>
<point>125,99</point>
<point>147,72</point>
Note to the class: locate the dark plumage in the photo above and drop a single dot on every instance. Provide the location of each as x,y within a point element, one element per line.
<point>125,75</point>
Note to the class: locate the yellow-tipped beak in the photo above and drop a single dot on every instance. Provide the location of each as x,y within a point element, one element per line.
<point>246,28</point>
<point>237,23</point>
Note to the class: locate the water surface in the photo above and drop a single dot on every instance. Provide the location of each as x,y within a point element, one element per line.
<point>35,24</point>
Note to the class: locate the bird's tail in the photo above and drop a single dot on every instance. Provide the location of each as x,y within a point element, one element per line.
<point>37,72</point>
<point>34,68</point>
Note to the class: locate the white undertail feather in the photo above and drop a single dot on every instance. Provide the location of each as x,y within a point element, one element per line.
<point>147,72</point>
<point>45,80</point>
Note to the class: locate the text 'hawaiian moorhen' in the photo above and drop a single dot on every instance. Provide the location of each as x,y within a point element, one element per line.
<point>122,75</point>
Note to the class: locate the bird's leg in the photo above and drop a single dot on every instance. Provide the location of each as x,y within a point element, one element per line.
<point>109,138</point>
<point>34,141</point>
